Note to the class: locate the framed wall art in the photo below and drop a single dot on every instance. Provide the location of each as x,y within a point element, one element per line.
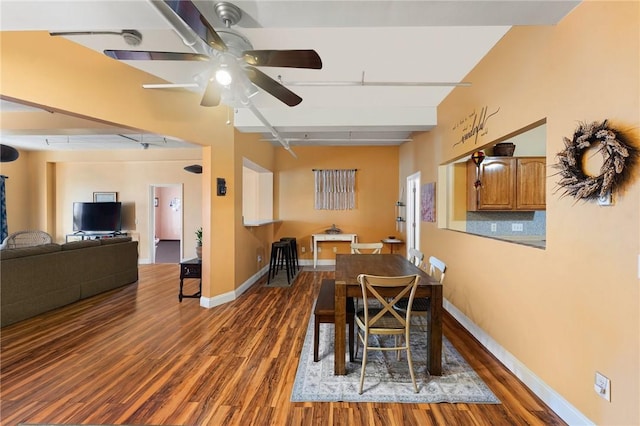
<point>104,197</point>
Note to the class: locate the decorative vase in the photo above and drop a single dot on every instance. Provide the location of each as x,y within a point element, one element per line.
<point>199,252</point>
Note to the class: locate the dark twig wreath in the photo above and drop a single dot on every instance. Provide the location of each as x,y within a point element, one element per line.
<point>618,156</point>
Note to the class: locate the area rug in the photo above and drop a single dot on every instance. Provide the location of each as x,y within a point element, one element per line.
<point>280,280</point>
<point>386,379</point>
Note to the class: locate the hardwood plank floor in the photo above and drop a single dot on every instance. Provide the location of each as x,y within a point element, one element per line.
<point>137,356</point>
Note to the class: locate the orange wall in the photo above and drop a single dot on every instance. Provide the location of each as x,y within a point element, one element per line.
<point>18,191</point>
<point>376,195</point>
<point>574,308</point>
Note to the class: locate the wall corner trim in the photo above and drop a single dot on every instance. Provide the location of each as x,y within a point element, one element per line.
<point>221,299</point>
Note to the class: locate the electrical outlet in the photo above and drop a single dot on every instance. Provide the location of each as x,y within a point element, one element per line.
<point>517,227</point>
<point>494,227</point>
<point>335,249</point>
<point>303,249</point>
<point>602,386</point>
<point>259,258</point>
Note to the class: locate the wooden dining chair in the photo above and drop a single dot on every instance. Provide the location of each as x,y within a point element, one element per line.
<point>437,269</point>
<point>416,257</point>
<point>362,248</point>
<point>383,319</point>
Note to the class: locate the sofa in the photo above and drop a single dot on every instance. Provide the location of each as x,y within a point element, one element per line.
<point>38,279</point>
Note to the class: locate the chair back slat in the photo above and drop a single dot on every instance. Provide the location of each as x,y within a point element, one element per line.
<point>437,268</point>
<point>358,248</point>
<point>416,257</point>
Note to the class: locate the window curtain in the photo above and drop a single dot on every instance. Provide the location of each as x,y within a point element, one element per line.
<point>335,189</point>
<point>4,229</point>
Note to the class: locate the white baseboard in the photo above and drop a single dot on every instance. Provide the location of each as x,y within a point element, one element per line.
<point>210,302</point>
<point>553,399</point>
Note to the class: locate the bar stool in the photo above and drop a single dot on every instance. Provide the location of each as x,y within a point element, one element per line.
<point>280,258</point>
<point>294,250</point>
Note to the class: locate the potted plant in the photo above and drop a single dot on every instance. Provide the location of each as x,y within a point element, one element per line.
<point>199,242</point>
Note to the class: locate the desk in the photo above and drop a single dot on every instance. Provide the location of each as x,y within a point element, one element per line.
<point>190,269</point>
<point>329,237</point>
<point>349,266</point>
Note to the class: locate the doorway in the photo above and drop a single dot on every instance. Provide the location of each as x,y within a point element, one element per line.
<point>165,234</point>
<point>413,211</point>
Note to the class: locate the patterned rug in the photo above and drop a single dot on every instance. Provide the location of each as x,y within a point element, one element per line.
<point>386,379</point>
<point>280,280</point>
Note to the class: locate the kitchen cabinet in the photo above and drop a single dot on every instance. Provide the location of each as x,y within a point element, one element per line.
<point>531,183</point>
<point>508,184</point>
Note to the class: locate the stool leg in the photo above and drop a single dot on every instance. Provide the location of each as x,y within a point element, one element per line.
<point>287,258</point>
<point>294,252</point>
<point>272,264</point>
<point>316,338</point>
<point>294,249</point>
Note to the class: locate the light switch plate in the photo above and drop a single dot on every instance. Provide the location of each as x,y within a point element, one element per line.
<point>602,386</point>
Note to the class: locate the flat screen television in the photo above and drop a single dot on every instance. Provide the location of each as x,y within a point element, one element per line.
<point>97,217</point>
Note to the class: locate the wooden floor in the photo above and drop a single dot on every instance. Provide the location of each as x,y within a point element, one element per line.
<point>137,356</point>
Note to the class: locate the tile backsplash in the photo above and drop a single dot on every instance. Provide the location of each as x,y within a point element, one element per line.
<point>533,223</point>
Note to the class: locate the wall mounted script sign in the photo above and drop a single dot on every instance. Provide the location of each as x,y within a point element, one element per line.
<point>473,125</point>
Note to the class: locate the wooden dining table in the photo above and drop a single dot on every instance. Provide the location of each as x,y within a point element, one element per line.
<point>349,266</point>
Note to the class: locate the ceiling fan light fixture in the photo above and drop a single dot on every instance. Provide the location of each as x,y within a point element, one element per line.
<point>223,75</point>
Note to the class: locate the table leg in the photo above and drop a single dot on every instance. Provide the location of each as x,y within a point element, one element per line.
<point>340,322</point>
<point>315,253</point>
<point>435,331</point>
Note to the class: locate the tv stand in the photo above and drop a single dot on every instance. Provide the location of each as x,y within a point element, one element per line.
<point>80,235</point>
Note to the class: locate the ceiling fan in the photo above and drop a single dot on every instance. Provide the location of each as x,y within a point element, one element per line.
<point>233,58</point>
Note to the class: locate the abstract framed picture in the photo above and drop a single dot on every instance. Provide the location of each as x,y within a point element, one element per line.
<point>428,202</point>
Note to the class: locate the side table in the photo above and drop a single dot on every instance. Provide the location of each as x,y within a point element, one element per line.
<point>191,268</point>
<point>392,243</point>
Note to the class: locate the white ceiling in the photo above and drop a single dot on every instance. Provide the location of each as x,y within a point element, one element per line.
<point>376,41</point>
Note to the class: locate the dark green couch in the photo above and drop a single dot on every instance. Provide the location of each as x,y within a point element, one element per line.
<point>37,279</point>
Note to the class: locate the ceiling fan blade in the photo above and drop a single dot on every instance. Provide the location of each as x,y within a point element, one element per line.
<point>276,89</point>
<point>190,14</point>
<point>284,58</point>
<point>142,55</point>
<point>211,95</point>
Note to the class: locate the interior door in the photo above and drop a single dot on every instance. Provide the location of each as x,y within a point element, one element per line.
<point>166,223</point>
<point>413,212</point>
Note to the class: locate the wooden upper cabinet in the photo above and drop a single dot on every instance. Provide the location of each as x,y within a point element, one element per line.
<point>531,183</point>
<point>508,183</point>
